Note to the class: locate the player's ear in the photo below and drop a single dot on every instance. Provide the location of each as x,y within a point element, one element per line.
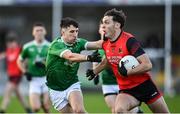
<point>62,30</point>
<point>45,32</point>
<point>117,25</point>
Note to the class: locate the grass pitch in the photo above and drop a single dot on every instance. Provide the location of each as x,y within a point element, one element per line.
<point>94,103</point>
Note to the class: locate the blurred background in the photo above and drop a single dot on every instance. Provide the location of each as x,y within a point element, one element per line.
<point>155,23</point>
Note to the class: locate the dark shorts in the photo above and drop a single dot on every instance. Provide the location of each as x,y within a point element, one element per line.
<point>145,92</point>
<point>15,79</point>
<point>107,94</point>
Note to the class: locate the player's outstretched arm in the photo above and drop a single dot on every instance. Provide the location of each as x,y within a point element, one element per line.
<point>94,45</point>
<point>75,57</point>
<point>92,73</point>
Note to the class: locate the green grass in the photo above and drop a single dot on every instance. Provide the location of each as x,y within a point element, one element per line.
<point>94,103</point>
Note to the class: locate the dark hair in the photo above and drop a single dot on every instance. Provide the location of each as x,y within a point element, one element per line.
<point>118,16</point>
<point>101,21</point>
<point>66,22</point>
<point>38,24</point>
<point>11,36</point>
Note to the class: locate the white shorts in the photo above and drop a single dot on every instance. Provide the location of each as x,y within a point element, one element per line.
<point>110,89</point>
<point>59,99</point>
<point>38,85</point>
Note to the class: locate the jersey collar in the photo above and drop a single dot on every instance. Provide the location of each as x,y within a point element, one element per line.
<point>117,37</point>
<point>66,42</point>
<point>40,44</point>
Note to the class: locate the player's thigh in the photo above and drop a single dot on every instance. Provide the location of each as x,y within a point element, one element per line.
<point>110,100</point>
<point>10,86</point>
<point>125,102</point>
<point>58,100</point>
<point>35,100</point>
<point>46,100</point>
<point>159,106</point>
<point>35,86</point>
<point>76,99</point>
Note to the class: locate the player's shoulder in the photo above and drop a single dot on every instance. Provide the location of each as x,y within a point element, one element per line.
<point>47,43</point>
<point>81,40</point>
<point>58,42</point>
<point>127,34</point>
<point>28,44</point>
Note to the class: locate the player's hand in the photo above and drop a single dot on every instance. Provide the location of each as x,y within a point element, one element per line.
<point>102,33</point>
<point>40,64</point>
<point>94,57</point>
<point>122,70</point>
<point>90,74</point>
<point>96,80</point>
<point>28,76</point>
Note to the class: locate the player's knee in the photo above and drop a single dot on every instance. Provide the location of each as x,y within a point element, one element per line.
<point>120,109</point>
<point>46,107</point>
<point>113,110</point>
<point>79,110</point>
<point>36,109</point>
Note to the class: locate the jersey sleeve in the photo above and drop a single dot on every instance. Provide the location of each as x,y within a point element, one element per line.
<point>24,52</point>
<point>57,49</point>
<point>83,43</point>
<point>101,52</point>
<point>134,47</point>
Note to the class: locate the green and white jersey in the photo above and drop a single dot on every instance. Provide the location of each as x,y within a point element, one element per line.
<point>107,74</point>
<point>61,73</point>
<point>35,52</point>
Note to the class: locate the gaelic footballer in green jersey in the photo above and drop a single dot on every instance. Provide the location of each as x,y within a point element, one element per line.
<point>62,65</point>
<point>35,53</point>
<point>33,56</point>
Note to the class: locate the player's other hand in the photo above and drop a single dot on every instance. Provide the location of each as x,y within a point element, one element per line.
<point>96,80</point>
<point>94,57</point>
<point>28,76</point>
<point>122,70</point>
<point>40,64</point>
<point>90,74</point>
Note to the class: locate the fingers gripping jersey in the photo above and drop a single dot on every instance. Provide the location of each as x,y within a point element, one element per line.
<point>115,51</point>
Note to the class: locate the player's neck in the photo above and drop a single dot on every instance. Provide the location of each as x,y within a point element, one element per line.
<point>64,40</point>
<point>39,41</point>
<point>116,36</point>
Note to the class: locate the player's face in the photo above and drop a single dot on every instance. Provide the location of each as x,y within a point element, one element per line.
<point>11,44</point>
<point>39,33</point>
<point>70,34</point>
<point>108,26</point>
<point>101,29</point>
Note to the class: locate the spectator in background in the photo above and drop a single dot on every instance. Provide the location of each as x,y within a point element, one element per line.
<point>14,74</point>
<point>32,63</point>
